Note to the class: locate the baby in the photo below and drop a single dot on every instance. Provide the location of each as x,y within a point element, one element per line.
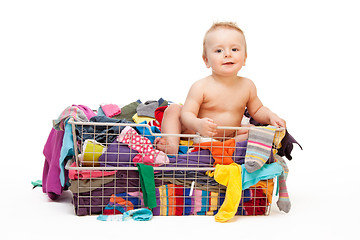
<point>219,99</point>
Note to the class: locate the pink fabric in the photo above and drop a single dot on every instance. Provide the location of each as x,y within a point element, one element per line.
<point>79,113</point>
<point>51,172</point>
<point>88,112</point>
<point>198,198</point>
<point>87,174</point>
<point>148,155</point>
<point>111,110</point>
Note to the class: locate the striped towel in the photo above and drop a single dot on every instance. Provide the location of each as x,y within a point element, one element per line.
<point>174,200</point>
<point>70,112</point>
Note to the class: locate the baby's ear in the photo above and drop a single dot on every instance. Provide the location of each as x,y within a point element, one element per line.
<point>206,61</point>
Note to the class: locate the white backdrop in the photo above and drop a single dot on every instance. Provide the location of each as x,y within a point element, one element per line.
<point>303,56</point>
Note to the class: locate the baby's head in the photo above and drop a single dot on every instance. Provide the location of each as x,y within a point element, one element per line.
<point>219,25</point>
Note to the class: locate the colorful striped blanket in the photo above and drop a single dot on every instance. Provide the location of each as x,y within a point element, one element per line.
<point>175,200</point>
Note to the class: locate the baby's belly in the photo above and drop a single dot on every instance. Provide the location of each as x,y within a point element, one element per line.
<point>228,120</point>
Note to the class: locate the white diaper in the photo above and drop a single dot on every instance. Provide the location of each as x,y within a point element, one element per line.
<point>200,139</point>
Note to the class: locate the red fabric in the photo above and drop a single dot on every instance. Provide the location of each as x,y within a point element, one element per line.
<point>179,200</point>
<point>257,205</point>
<point>159,114</point>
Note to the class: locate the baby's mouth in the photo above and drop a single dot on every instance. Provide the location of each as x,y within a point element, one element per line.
<point>228,63</point>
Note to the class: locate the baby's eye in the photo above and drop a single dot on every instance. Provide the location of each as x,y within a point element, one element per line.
<point>218,50</point>
<point>235,49</point>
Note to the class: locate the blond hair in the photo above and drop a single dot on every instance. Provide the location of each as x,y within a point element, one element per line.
<point>228,25</point>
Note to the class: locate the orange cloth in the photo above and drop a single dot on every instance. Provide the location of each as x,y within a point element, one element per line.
<point>121,201</point>
<point>221,151</point>
<point>267,186</point>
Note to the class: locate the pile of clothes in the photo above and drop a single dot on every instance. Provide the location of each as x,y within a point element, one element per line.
<point>173,192</point>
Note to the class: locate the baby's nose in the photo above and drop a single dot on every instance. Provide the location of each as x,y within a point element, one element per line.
<point>227,53</point>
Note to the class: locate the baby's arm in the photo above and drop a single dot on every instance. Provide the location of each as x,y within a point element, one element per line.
<point>190,110</point>
<point>260,113</point>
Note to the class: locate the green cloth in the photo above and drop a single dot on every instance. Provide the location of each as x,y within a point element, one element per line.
<point>147,181</point>
<point>128,111</point>
<point>37,183</point>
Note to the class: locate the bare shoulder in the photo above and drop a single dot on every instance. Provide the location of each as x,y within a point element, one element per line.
<point>195,95</point>
<point>247,81</point>
<point>200,85</point>
<point>196,90</point>
<point>248,84</point>
<point>202,82</point>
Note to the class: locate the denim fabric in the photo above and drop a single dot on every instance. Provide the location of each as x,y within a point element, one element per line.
<point>102,134</point>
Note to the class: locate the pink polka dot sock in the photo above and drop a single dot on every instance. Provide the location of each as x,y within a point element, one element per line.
<point>148,155</point>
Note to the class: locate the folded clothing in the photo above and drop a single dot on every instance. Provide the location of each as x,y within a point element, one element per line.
<point>111,110</point>
<point>93,202</point>
<point>177,200</point>
<point>91,152</point>
<point>79,113</point>
<point>101,133</point>
<point>87,174</point>
<point>147,109</point>
<point>128,111</point>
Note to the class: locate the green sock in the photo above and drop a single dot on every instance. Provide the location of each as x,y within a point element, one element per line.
<point>146,174</point>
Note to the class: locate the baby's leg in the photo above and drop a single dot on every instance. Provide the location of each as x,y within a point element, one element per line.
<point>171,124</point>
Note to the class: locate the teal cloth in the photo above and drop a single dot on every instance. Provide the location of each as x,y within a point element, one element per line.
<point>267,171</point>
<point>37,183</point>
<point>116,217</point>
<point>100,112</point>
<point>144,131</point>
<point>147,182</point>
<point>67,151</point>
<point>141,214</point>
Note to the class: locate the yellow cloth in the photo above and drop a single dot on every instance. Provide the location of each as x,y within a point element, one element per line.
<point>213,203</point>
<point>229,176</point>
<point>138,119</point>
<point>92,150</point>
<point>278,137</point>
<point>186,143</point>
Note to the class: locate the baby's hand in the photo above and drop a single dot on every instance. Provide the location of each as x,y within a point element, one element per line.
<point>207,127</point>
<point>276,121</point>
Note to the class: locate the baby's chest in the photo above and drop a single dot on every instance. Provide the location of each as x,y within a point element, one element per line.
<point>225,98</point>
<point>224,103</point>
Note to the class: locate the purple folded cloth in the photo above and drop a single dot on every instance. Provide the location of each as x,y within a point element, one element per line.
<point>120,155</point>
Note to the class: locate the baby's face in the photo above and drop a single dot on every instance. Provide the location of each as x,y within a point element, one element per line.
<point>225,51</point>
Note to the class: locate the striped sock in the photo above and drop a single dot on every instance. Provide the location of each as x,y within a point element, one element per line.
<point>283,202</point>
<point>259,147</point>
